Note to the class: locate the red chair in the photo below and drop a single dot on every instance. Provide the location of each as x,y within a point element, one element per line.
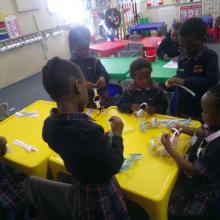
<point>214,32</point>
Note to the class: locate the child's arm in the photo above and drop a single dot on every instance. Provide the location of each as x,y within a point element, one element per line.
<point>126,105</point>
<point>200,81</point>
<point>102,74</point>
<point>161,50</point>
<point>91,85</point>
<point>189,131</point>
<point>108,158</point>
<point>185,165</point>
<point>161,103</point>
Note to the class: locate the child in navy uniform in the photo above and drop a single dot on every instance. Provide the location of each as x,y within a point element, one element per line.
<point>94,72</point>
<point>169,47</point>
<point>142,90</point>
<point>198,186</point>
<point>86,152</point>
<point>198,68</point>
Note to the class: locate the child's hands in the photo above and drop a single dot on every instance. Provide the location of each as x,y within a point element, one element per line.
<point>175,82</point>
<point>135,107</point>
<point>117,125</point>
<point>150,110</point>
<point>166,57</point>
<point>175,59</point>
<point>165,140</point>
<point>101,83</point>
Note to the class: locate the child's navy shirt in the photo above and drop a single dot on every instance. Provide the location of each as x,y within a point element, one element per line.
<point>86,152</point>
<point>153,96</point>
<point>92,69</point>
<point>169,48</point>
<point>200,74</point>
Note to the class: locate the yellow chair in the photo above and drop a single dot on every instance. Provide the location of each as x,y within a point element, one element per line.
<point>56,166</point>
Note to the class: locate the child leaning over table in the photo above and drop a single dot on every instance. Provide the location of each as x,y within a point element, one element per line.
<point>12,196</point>
<point>87,154</point>
<point>142,90</point>
<point>198,186</point>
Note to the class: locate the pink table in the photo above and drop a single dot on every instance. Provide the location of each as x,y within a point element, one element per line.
<point>106,49</point>
<point>151,42</point>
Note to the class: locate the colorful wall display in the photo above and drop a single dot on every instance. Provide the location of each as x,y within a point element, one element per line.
<point>189,11</point>
<point>3,30</point>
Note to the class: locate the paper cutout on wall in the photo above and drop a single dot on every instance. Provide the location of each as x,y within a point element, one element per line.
<point>12,25</point>
<point>154,2</point>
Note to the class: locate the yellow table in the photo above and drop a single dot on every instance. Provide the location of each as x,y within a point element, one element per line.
<point>28,130</point>
<point>150,181</point>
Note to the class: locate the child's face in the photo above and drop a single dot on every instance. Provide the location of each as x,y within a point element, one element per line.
<point>142,78</point>
<point>191,45</point>
<point>81,49</point>
<point>209,114</point>
<point>174,36</point>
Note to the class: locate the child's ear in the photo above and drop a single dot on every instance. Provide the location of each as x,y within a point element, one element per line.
<point>77,86</point>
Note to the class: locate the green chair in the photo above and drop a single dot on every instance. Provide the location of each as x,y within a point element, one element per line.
<point>144,21</point>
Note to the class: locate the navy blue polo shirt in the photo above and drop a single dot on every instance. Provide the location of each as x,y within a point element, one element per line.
<point>92,69</point>
<point>201,73</point>
<point>168,47</point>
<point>153,96</point>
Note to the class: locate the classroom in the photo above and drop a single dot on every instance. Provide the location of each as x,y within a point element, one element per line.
<point>109,110</point>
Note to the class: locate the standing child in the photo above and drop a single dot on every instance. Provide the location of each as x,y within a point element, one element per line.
<point>169,47</point>
<point>199,183</point>
<point>198,68</point>
<point>91,67</point>
<point>86,152</point>
<point>142,90</point>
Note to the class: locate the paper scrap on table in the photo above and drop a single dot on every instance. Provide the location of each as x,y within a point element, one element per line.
<point>171,65</point>
<point>27,147</point>
<point>33,114</point>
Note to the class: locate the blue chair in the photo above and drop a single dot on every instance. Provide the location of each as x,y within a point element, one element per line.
<point>114,89</point>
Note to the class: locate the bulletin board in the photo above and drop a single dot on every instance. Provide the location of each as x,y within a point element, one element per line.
<point>189,11</point>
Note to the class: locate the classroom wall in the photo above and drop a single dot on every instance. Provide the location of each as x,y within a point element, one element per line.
<point>23,62</point>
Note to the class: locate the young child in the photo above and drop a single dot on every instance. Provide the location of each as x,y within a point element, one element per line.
<point>92,68</point>
<point>199,183</point>
<point>142,90</point>
<point>169,47</point>
<point>12,196</point>
<point>85,150</point>
<point>198,68</point>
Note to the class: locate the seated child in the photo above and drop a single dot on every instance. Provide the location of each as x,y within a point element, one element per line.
<point>169,47</point>
<point>199,183</point>
<point>87,153</point>
<point>12,196</point>
<point>198,68</point>
<point>142,90</point>
<point>91,67</point>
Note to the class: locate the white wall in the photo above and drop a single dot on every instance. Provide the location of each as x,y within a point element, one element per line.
<point>23,62</point>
